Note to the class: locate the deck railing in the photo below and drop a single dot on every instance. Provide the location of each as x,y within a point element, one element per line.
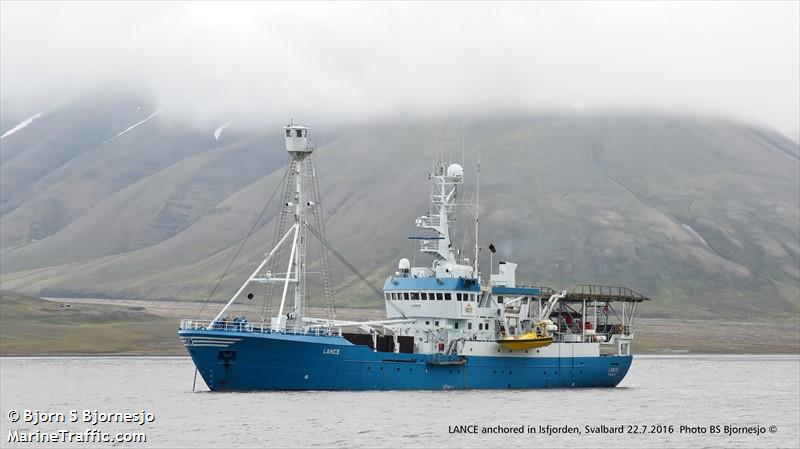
<point>604,293</point>
<point>543,289</point>
<point>239,326</point>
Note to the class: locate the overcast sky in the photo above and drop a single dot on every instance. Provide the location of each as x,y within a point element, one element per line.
<point>263,62</point>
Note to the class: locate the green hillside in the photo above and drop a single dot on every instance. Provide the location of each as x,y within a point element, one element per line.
<point>30,325</point>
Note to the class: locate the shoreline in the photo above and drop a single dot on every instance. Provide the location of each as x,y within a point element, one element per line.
<point>180,309</point>
<point>114,338</point>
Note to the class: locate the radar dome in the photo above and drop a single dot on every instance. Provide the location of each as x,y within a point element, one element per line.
<point>404,264</point>
<point>455,171</point>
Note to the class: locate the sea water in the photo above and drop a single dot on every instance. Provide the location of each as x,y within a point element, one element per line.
<point>665,401</point>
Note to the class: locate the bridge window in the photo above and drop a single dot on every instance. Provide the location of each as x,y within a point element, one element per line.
<point>288,133</point>
<point>447,297</point>
<point>480,326</point>
<point>424,296</point>
<point>439,297</point>
<point>458,296</point>
<point>405,296</point>
<point>469,325</point>
<point>436,323</point>
<point>499,299</point>
<point>415,295</point>
<point>388,296</point>
<point>455,324</point>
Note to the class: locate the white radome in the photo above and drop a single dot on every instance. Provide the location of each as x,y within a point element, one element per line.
<point>404,264</point>
<point>455,171</point>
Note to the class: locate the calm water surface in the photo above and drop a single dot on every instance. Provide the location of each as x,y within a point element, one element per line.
<point>680,390</point>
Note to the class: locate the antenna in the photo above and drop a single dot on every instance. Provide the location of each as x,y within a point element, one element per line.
<point>463,153</point>
<point>463,164</point>
<point>477,212</point>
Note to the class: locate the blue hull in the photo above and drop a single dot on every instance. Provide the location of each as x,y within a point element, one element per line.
<point>275,361</point>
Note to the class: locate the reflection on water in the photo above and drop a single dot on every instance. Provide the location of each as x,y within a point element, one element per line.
<point>697,391</point>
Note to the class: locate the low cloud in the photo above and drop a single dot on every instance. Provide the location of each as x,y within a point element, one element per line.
<point>257,63</point>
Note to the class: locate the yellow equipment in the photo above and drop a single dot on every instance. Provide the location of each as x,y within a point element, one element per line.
<point>525,341</point>
<point>537,338</point>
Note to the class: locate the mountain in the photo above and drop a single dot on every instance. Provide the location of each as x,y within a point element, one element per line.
<point>114,198</point>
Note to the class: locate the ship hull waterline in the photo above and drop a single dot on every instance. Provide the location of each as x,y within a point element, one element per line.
<point>246,361</point>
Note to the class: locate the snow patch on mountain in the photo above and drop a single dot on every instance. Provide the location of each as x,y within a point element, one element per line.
<point>218,131</point>
<point>132,126</point>
<point>695,234</point>
<point>23,124</point>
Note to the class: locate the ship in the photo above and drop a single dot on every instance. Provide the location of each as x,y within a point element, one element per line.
<point>446,328</point>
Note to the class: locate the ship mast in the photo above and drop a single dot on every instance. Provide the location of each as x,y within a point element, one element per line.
<point>299,148</point>
<point>298,202</point>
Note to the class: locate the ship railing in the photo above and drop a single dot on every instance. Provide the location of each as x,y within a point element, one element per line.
<point>543,289</point>
<point>604,293</point>
<point>429,245</point>
<point>243,326</point>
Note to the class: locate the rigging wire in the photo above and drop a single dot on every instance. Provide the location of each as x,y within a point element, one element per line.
<point>280,228</point>
<point>249,233</point>
<point>351,267</point>
<point>330,303</point>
